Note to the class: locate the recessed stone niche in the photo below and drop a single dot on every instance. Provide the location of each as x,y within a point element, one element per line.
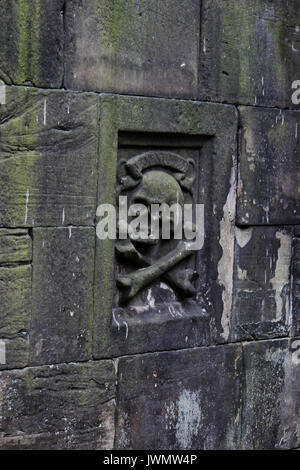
<point>159,297</point>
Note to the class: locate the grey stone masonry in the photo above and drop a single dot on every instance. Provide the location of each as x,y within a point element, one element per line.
<point>130,344</point>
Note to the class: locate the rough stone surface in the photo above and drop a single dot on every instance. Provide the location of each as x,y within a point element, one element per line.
<point>271,395</point>
<point>262,303</point>
<point>180,400</point>
<point>63,273</point>
<point>32,38</point>
<point>146,47</point>
<point>58,406</point>
<point>249,52</point>
<point>48,155</point>
<point>205,321</point>
<point>268,186</point>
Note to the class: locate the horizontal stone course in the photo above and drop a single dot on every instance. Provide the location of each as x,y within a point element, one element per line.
<point>224,397</point>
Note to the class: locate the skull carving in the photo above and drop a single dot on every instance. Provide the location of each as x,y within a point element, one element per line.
<point>148,181</point>
<point>158,187</point>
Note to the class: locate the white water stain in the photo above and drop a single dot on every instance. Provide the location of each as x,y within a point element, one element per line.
<point>185,415</point>
<point>2,352</point>
<point>243,236</point>
<point>242,274</point>
<point>151,299</point>
<point>45,112</point>
<point>282,272</point>
<point>126,329</point>
<point>295,348</point>
<point>26,206</point>
<point>2,92</point>
<point>225,265</point>
<point>250,141</point>
<point>116,321</point>
<point>165,287</point>
<point>140,308</point>
<point>266,210</point>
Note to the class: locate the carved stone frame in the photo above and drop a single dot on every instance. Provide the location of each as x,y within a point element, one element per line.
<point>217,125</point>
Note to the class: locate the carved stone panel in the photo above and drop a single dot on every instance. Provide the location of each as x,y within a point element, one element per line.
<point>156,177</point>
<point>157,293</point>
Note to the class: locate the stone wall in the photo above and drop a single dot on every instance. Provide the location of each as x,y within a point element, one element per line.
<point>84,85</point>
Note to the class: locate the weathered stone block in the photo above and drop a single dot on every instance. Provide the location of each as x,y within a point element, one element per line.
<point>271,400</point>
<point>268,186</point>
<point>15,312</point>
<point>262,304</point>
<point>249,52</point>
<point>15,246</point>
<point>296,289</point>
<point>180,400</point>
<point>206,132</point>
<point>48,155</point>
<point>63,272</point>
<point>15,295</point>
<point>60,407</point>
<point>147,47</point>
<point>32,38</point>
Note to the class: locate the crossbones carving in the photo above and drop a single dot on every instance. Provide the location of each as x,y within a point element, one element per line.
<point>155,186</point>
<point>132,283</point>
